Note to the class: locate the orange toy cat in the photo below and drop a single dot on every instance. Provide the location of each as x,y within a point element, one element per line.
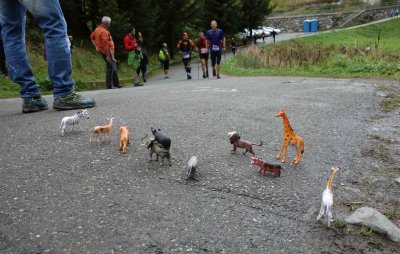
<point>289,138</point>
<point>124,138</point>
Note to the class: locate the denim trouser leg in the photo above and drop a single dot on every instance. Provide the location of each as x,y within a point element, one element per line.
<point>12,20</point>
<point>50,19</point>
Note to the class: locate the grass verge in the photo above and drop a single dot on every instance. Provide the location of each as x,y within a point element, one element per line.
<point>88,71</point>
<point>364,52</point>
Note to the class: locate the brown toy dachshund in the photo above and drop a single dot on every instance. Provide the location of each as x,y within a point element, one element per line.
<point>234,137</point>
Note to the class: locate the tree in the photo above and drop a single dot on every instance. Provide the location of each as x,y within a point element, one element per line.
<point>143,15</point>
<point>254,13</point>
<point>225,12</point>
<point>173,17</point>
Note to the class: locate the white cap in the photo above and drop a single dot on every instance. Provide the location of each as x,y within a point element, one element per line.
<point>106,19</point>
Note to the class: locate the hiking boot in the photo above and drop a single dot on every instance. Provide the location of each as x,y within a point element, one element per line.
<point>138,84</point>
<point>73,101</point>
<point>118,86</point>
<point>34,104</point>
<point>204,75</point>
<point>214,73</point>
<point>218,76</point>
<point>189,77</point>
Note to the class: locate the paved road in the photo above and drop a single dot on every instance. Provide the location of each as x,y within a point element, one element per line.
<point>63,195</point>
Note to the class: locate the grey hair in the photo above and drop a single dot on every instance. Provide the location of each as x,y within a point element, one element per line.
<point>106,19</point>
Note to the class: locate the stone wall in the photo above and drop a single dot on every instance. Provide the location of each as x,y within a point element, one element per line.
<point>295,23</point>
<point>330,20</point>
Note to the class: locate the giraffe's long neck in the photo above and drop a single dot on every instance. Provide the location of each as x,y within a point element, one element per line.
<point>329,185</point>
<point>286,126</point>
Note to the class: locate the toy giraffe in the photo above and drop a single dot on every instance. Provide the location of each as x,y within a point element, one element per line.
<point>289,138</point>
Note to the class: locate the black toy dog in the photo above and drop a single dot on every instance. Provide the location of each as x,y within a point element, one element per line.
<point>161,138</point>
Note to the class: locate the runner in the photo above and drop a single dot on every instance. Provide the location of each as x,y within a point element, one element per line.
<point>163,55</point>
<point>233,46</point>
<point>186,46</point>
<point>216,41</point>
<point>203,51</point>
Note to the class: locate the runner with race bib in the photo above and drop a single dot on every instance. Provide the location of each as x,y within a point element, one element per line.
<point>203,51</point>
<point>186,46</point>
<point>216,42</point>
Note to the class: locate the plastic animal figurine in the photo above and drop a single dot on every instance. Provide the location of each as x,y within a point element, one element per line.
<point>234,137</point>
<point>101,129</point>
<point>161,138</point>
<point>158,149</point>
<point>124,138</point>
<point>327,199</point>
<point>190,168</point>
<point>266,167</point>
<point>72,120</point>
<point>289,138</point>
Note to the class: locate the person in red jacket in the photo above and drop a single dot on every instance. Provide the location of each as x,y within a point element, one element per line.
<point>132,47</point>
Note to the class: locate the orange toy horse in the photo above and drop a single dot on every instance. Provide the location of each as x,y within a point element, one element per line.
<point>124,138</point>
<point>289,138</point>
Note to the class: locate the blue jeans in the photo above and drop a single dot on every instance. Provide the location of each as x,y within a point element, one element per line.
<point>49,17</point>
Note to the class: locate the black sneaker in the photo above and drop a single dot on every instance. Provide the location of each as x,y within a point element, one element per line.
<point>204,75</point>
<point>189,77</point>
<point>34,104</point>
<point>73,101</point>
<point>214,73</point>
<point>138,84</point>
<point>218,76</point>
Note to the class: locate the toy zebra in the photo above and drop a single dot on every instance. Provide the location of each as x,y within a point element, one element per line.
<point>72,120</point>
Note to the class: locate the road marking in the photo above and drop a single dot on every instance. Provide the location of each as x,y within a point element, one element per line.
<point>208,89</point>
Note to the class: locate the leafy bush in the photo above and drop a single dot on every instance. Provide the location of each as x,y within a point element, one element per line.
<point>45,85</point>
<point>340,61</point>
<point>81,86</point>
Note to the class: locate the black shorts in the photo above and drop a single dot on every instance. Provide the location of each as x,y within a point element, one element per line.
<point>166,65</point>
<point>215,57</point>
<point>204,56</point>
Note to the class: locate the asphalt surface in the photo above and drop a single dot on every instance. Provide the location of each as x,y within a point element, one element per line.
<point>60,194</point>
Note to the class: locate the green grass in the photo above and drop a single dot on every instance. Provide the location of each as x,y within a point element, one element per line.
<point>366,231</point>
<point>340,223</point>
<point>392,213</point>
<point>361,36</point>
<point>300,7</point>
<point>350,53</point>
<point>393,100</point>
<point>88,68</point>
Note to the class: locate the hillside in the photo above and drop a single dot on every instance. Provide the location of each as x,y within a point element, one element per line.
<point>370,51</point>
<point>88,69</point>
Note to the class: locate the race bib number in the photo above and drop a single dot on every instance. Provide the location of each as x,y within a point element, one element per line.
<point>186,55</point>
<point>215,47</point>
<point>204,50</point>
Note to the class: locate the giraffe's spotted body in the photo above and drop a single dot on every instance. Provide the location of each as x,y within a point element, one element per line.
<point>289,138</point>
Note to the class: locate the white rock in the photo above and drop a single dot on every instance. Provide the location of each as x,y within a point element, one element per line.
<point>376,221</point>
<point>397,180</point>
